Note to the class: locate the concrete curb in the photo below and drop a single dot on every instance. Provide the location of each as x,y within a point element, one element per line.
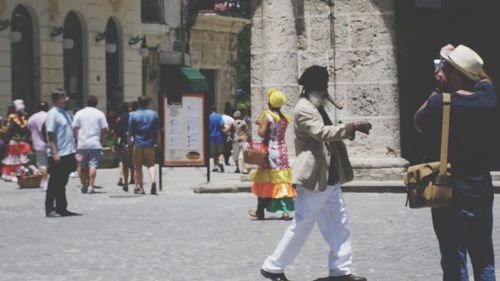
<point>355,187</point>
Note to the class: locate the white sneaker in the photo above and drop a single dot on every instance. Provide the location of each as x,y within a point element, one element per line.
<point>73,175</point>
<point>90,190</point>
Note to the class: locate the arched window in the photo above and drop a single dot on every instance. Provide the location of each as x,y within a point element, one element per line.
<point>114,66</point>
<point>24,58</point>
<point>73,44</point>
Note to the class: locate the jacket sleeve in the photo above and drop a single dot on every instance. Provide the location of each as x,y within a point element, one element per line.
<point>312,124</point>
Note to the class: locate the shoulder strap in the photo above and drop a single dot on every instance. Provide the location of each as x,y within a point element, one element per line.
<point>445,132</point>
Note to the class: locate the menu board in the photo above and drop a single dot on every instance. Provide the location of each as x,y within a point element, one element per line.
<point>184,142</point>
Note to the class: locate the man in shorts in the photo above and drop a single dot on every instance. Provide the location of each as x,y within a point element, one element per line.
<point>90,127</point>
<point>144,129</point>
<point>217,131</point>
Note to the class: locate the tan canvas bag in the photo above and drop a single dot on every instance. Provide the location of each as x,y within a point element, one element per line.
<point>429,184</point>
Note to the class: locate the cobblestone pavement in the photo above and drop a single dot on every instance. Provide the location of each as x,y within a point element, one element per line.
<point>181,236</point>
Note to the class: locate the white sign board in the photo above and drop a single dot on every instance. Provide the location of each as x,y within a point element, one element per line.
<point>184,142</point>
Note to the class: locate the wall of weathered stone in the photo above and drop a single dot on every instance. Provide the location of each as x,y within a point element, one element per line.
<point>213,46</point>
<point>362,65</point>
<point>96,13</point>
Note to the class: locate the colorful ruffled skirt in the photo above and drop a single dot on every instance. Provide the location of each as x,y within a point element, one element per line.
<point>276,185</point>
<point>17,156</point>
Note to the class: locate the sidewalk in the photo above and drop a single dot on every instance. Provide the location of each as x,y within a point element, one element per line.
<point>195,180</point>
<point>230,183</point>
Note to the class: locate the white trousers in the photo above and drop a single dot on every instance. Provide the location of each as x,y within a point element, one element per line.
<point>328,209</point>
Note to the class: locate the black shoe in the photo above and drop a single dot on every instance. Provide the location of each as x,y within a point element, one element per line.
<point>215,170</point>
<point>52,214</point>
<point>221,167</point>
<point>350,277</point>
<point>153,189</point>
<point>67,213</point>
<point>132,181</point>
<point>237,171</point>
<point>274,276</point>
<point>125,187</point>
<point>120,182</point>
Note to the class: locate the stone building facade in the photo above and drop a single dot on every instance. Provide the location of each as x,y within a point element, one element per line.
<point>213,48</point>
<point>186,37</point>
<point>290,35</point>
<point>79,45</point>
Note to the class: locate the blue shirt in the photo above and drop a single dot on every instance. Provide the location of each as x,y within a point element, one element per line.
<point>216,122</point>
<point>144,126</point>
<point>471,125</point>
<point>59,123</point>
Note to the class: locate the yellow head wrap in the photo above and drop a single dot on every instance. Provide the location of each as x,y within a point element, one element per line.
<point>276,98</point>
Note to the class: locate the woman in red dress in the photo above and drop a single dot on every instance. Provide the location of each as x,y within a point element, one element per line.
<point>17,148</point>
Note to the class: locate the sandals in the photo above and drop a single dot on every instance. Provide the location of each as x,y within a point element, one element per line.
<point>253,214</point>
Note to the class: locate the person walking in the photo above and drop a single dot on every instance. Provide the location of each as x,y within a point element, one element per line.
<point>61,152</point>
<point>217,131</point>
<point>272,180</point>
<point>239,135</point>
<point>465,226</point>
<point>90,127</point>
<point>121,129</point>
<point>317,181</point>
<point>18,148</point>
<point>35,125</point>
<point>144,129</point>
<point>227,137</point>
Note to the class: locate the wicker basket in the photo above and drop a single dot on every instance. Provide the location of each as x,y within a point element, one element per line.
<point>254,157</point>
<point>33,181</point>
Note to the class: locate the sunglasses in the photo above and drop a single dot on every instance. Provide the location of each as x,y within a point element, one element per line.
<point>438,64</point>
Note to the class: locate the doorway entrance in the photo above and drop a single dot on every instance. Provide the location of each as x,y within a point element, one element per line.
<point>24,58</point>
<point>114,88</point>
<point>73,44</point>
<point>420,34</point>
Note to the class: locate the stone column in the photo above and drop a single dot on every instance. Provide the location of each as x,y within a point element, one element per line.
<point>274,57</point>
<point>362,65</point>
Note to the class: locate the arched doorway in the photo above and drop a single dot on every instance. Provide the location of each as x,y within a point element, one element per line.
<point>471,23</point>
<point>74,44</point>
<point>114,81</point>
<point>24,57</point>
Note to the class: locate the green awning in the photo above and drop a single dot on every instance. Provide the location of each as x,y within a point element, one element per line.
<point>196,81</point>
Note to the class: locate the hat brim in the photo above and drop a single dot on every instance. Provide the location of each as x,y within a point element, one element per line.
<point>445,54</point>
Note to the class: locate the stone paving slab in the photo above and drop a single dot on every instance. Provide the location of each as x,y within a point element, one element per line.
<point>181,236</point>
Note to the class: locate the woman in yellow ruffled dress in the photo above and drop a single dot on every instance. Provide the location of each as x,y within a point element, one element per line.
<point>272,180</point>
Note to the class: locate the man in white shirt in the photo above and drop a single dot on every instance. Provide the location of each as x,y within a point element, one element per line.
<point>89,125</point>
<point>228,140</point>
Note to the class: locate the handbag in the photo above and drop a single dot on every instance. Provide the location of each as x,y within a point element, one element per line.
<point>429,184</point>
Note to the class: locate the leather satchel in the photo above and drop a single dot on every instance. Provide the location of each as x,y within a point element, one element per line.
<point>429,184</point>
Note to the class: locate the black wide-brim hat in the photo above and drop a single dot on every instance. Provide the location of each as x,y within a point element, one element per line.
<point>314,76</point>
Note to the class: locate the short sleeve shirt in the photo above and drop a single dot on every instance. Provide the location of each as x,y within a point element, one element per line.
<point>144,126</point>
<point>59,123</point>
<point>90,122</point>
<point>216,122</point>
<point>35,124</point>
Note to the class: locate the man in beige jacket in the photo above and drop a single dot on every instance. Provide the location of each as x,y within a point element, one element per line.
<point>321,166</point>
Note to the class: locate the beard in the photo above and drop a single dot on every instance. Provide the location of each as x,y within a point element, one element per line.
<point>318,99</point>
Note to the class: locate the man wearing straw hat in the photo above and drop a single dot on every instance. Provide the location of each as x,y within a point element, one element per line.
<point>321,166</point>
<point>466,225</point>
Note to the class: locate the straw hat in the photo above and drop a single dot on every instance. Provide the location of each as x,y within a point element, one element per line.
<point>465,60</point>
